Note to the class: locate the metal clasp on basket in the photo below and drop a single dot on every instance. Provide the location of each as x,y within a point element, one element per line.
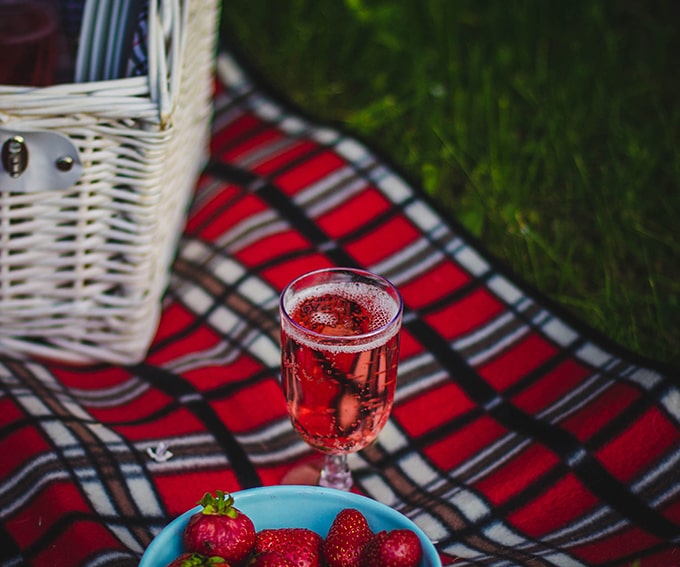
<point>15,156</point>
<point>37,160</point>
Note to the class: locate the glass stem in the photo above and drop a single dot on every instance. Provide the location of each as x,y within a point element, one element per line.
<point>336,473</point>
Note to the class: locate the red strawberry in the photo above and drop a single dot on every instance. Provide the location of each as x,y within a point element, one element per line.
<point>346,537</point>
<point>197,560</point>
<point>396,548</point>
<point>301,546</point>
<point>270,559</point>
<point>220,529</point>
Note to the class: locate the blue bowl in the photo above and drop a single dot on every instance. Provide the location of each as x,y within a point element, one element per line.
<point>312,507</point>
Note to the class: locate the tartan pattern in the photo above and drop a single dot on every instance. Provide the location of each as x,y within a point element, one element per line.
<point>518,436</point>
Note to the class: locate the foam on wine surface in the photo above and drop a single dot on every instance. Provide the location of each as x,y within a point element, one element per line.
<point>318,311</point>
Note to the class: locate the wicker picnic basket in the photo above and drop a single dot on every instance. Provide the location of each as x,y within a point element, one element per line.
<point>88,232</point>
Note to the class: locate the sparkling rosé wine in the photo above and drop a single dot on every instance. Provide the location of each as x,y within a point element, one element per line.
<point>340,392</point>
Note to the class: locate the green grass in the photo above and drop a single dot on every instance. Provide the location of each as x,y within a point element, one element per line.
<point>551,130</point>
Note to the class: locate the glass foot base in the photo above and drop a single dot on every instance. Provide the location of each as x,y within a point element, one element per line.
<point>331,472</point>
<point>307,474</point>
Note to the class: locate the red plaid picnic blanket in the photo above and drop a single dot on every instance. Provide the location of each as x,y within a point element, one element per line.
<point>518,437</point>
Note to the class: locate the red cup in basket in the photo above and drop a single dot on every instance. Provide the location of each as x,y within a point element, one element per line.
<point>28,43</point>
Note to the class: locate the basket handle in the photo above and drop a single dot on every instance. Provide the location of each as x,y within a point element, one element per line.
<point>165,42</point>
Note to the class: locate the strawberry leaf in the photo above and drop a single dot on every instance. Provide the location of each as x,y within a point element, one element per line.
<point>222,504</point>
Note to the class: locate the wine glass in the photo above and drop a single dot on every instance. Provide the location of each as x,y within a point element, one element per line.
<point>339,352</point>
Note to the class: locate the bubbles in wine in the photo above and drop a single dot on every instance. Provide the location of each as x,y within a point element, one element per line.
<point>355,312</point>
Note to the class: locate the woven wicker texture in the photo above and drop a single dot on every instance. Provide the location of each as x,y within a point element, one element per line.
<point>83,269</point>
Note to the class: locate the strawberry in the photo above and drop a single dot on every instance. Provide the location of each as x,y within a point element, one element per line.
<point>396,548</point>
<point>197,560</point>
<point>346,537</point>
<point>220,529</point>
<point>301,546</point>
<point>270,559</point>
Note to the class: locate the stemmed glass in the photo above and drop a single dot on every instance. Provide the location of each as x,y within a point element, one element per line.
<point>339,352</point>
